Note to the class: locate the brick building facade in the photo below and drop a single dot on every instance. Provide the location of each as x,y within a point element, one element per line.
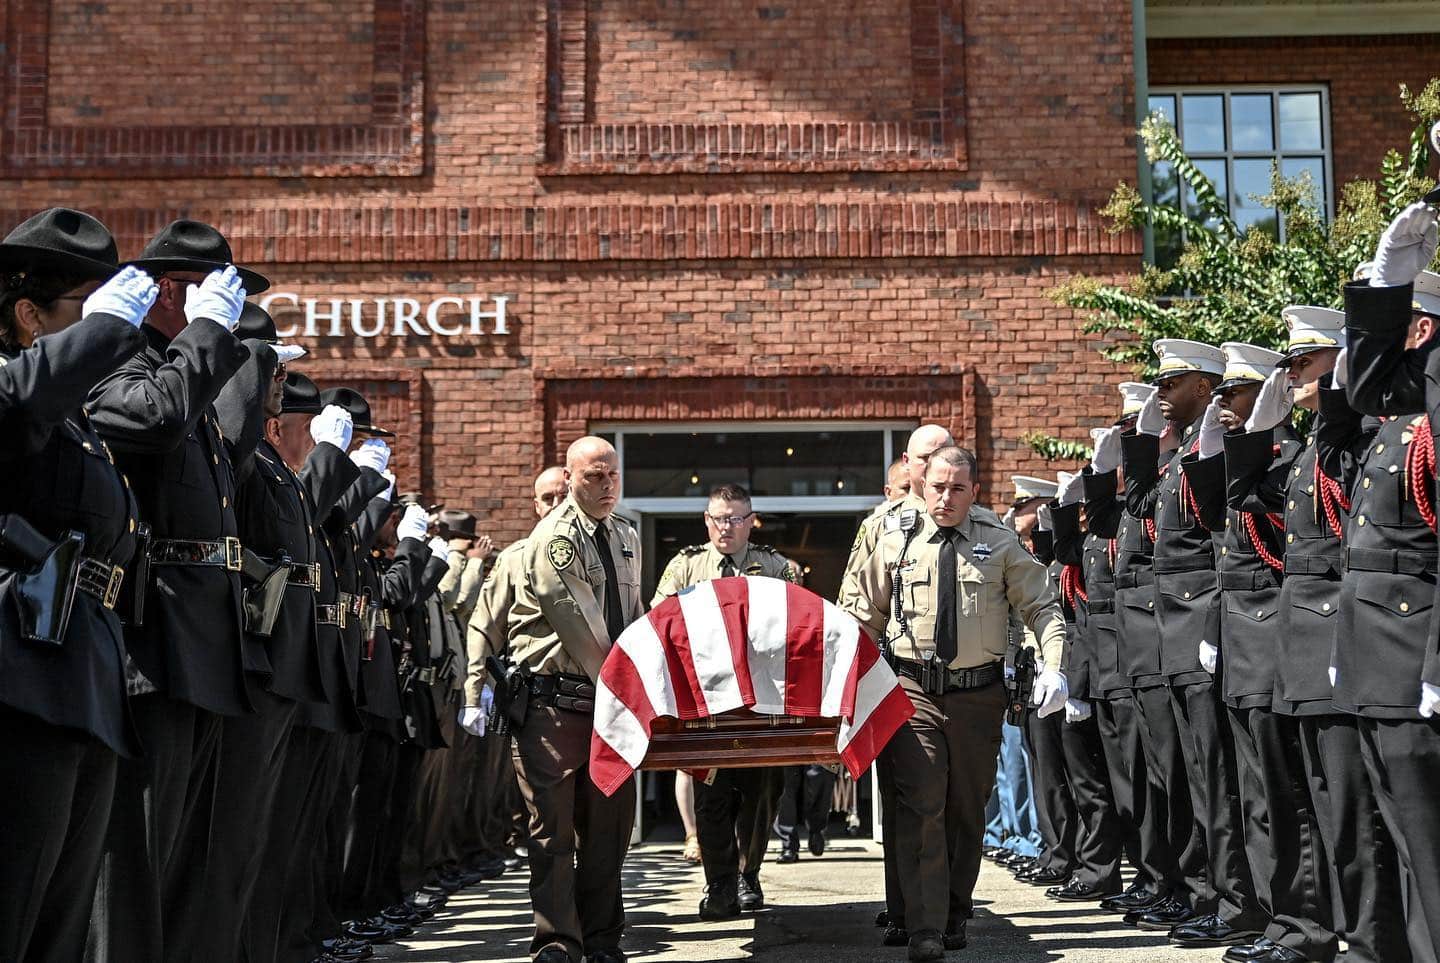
<point>730,211</point>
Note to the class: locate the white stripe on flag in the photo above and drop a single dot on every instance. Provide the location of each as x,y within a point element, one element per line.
<point>642,644</point>
<point>620,728</point>
<point>872,689</point>
<point>710,650</point>
<point>767,625</point>
<point>842,633</point>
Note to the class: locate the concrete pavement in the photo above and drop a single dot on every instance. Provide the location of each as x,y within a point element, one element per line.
<point>820,911</point>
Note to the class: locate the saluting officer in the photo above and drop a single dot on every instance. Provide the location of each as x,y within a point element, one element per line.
<point>1387,660</point>
<point>582,589</point>
<point>735,808</point>
<point>958,575</point>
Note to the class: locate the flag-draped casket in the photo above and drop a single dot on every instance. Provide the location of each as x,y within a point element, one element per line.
<point>744,671</point>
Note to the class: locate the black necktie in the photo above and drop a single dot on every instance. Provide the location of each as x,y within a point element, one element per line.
<point>614,616</point>
<point>945,598</point>
<point>727,566</point>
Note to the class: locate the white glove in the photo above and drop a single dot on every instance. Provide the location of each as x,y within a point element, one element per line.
<point>289,352</point>
<point>1072,488</point>
<point>1209,657</point>
<point>1107,450</point>
<point>1212,432</point>
<point>372,453</point>
<point>128,295</point>
<point>1435,137</point>
<point>1407,247</point>
<point>389,493</point>
<point>413,524</point>
<point>1333,676</point>
<point>1273,404</point>
<point>220,297</point>
<point>1077,710</point>
<point>1051,692</point>
<point>334,425</point>
<point>1341,374</point>
<point>1150,421</point>
<point>1429,694</point>
<point>439,548</point>
<point>1043,520</point>
<point>472,720</point>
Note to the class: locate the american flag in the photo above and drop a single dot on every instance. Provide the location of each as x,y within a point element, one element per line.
<point>761,643</point>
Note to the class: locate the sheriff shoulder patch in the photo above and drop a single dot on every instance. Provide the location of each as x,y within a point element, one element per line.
<point>561,551</point>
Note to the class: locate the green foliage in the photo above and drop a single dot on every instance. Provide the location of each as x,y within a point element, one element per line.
<point>1051,448</point>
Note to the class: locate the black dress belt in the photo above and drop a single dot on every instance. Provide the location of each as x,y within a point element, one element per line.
<point>1394,561</point>
<point>977,677</point>
<point>331,615</point>
<point>100,580</point>
<point>305,576</point>
<point>226,553</point>
<point>1183,563</point>
<point>1317,564</point>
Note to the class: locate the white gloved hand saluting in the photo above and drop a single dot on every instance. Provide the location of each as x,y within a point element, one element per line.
<point>1072,489</point>
<point>373,454</point>
<point>1150,421</point>
<point>1407,247</point>
<point>1077,710</point>
<point>287,353</point>
<point>333,425</point>
<point>1209,657</point>
<point>413,524</point>
<point>389,493</point>
<point>1051,693</point>
<point>1273,404</point>
<point>439,548</point>
<point>1107,450</point>
<point>1212,430</point>
<point>1043,520</point>
<point>1429,699</point>
<point>1341,373</point>
<point>220,297</point>
<point>128,295</point>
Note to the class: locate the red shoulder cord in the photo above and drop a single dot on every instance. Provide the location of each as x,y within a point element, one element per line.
<point>1187,494</point>
<point>1420,469</point>
<point>1252,529</point>
<point>1072,584</point>
<point>1332,498</point>
<point>1112,549</point>
<point>1150,529</point>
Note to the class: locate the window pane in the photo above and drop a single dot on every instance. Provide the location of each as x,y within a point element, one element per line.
<point>1292,167</point>
<point>1215,170</point>
<point>1164,185</point>
<point>1204,123</point>
<point>1300,122</point>
<point>1250,126</point>
<point>768,463</point>
<point>1164,104</point>
<point>1252,177</point>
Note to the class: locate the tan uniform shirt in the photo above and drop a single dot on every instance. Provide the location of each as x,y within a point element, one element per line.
<point>488,631</point>
<point>700,563</point>
<point>462,580</point>
<point>557,621</point>
<point>995,574</point>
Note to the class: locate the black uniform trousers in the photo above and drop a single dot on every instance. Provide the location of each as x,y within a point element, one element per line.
<point>159,821</point>
<point>1055,813</point>
<point>1141,839</point>
<point>367,823</point>
<point>1209,752</point>
<point>1098,833</point>
<point>733,813</point>
<point>306,879</point>
<point>578,835</point>
<point>331,856</point>
<point>894,893</point>
<point>1282,833</point>
<point>1169,785</point>
<point>498,811</point>
<point>53,815</point>
<point>806,797</point>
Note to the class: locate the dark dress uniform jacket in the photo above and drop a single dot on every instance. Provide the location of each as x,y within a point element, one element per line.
<point>1390,585</point>
<point>61,478</point>
<point>1249,584</point>
<point>343,537</point>
<point>1075,661</point>
<point>1071,550</point>
<point>156,413</point>
<point>391,583</point>
<point>1186,586</point>
<point>417,695</point>
<point>1129,553</point>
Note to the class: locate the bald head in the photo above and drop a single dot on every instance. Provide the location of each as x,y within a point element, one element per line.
<point>592,472</point>
<point>924,442</point>
<point>549,489</point>
<point>897,481</point>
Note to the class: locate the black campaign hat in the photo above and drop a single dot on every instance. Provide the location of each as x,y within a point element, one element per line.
<point>185,245</point>
<point>60,239</point>
<point>456,523</point>
<point>255,324</point>
<point>301,396</point>
<point>355,403</point>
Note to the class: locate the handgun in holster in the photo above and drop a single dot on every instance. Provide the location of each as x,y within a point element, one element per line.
<point>934,675</point>
<point>44,579</point>
<point>137,581</point>
<point>1020,686</point>
<point>263,591</point>
<point>445,667</point>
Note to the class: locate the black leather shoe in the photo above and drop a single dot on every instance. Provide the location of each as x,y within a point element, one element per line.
<point>605,956</point>
<point>752,897</point>
<point>955,939</point>
<point>882,918</point>
<point>993,853</point>
<point>1017,863</point>
<point>1210,931</point>
<point>817,843</point>
<point>895,936</point>
<point>1027,867</point>
<point>1077,892</point>
<point>721,902</point>
<point>1282,954</point>
<point>927,946</point>
<point>1163,916</point>
<point>1136,897</point>
<point>364,932</point>
<point>1248,952</point>
<point>1044,877</point>
<point>552,954</point>
<point>788,856</point>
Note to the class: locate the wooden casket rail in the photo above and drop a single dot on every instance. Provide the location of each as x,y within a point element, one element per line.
<point>741,739</point>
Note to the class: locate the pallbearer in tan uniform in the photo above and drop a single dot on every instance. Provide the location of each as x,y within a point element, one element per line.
<point>734,809</point>
<point>581,589</point>
<point>960,576</point>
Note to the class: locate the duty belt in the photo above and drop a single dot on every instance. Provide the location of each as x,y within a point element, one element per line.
<point>977,677</point>
<point>1139,578</point>
<point>1394,561</point>
<point>100,580</point>
<point>330,615</point>
<point>1248,581</point>
<point>226,553</point>
<point>1317,564</point>
<point>305,576</point>
<point>1182,563</point>
<point>573,693</point>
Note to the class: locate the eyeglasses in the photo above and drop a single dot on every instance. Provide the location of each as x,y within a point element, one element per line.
<point>728,521</point>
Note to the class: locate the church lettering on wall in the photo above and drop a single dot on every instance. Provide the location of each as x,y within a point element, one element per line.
<point>445,317</point>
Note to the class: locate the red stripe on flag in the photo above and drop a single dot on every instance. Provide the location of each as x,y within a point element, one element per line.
<point>669,622</point>
<point>867,653</point>
<point>867,741</point>
<point>733,596</point>
<point>623,679</point>
<point>805,651</point>
<point>608,771</point>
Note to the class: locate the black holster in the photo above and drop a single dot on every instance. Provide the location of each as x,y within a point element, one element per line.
<point>44,577</point>
<point>263,592</point>
<point>1020,686</point>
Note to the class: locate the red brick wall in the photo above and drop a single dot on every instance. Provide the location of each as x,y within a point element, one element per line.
<point>1363,74</point>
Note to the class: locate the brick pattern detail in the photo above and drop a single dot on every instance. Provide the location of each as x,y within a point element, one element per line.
<point>396,402</point>
<point>930,137</point>
<point>391,143</point>
<point>604,232</point>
